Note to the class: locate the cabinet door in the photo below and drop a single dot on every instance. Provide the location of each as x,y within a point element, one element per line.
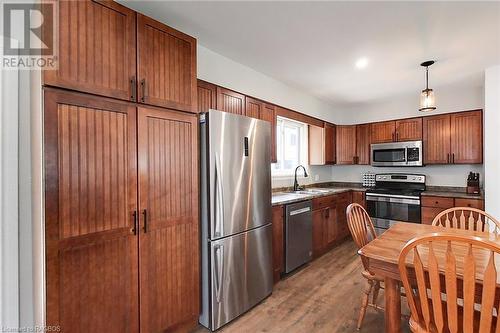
<point>383,132</point>
<point>343,201</point>
<point>278,259</point>
<point>359,198</point>
<point>207,96</point>
<point>253,107</point>
<point>467,137</point>
<point>269,114</point>
<point>166,66</point>
<point>91,197</point>
<point>363,141</point>
<point>436,139</point>
<point>330,137</point>
<point>331,222</point>
<point>230,101</point>
<point>409,129</point>
<point>316,142</point>
<point>346,144</point>
<point>96,49</point>
<point>319,230</point>
<point>168,202</point>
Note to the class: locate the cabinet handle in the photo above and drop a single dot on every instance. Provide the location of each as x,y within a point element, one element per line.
<point>448,158</point>
<point>397,136</point>
<point>143,89</point>
<point>393,136</point>
<point>145,214</point>
<point>134,227</point>
<point>453,158</point>
<point>133,88</point>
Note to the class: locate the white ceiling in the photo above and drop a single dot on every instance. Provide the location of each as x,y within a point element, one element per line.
<point>314,45</point>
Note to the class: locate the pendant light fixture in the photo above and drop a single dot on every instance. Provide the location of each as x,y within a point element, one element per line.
<point>427,99</point>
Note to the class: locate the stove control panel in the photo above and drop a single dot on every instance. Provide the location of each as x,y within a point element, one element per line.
<point>400,178</point>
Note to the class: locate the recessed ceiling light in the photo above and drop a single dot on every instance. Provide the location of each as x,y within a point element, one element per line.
<point>361,63</point>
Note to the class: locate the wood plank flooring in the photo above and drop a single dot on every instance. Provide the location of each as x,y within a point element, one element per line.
<point>322,297</point>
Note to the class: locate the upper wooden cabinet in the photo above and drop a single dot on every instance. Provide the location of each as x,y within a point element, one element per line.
<point>455,138</point>
<point>383,132</point>
<point>316,145</point>
<point>207,96</point>
<point>97,49</point>
<point>363,140</point>
<point>253,107</point>
<point>467,137</point>
<point>268,113</point>
<point>322,144</point>
<point>230,101</point>
<point>166,66</point>
<point>346,144</point>
<point>330,139</point>
<point>397,130</point>
<point>436,141</point>
<point>409,129</point>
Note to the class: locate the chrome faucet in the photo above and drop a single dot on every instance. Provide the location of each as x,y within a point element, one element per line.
<point>296,186</point>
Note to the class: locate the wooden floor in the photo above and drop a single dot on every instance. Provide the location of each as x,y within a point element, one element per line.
<point>322,297</point>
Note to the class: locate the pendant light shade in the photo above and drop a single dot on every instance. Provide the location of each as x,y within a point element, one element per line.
<point>427,98</point>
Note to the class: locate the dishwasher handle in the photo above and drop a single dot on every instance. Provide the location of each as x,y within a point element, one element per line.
<point>300,211</point>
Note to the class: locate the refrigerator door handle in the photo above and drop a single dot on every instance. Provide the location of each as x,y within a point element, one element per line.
<point>219,211</point>
<point>219,265</point>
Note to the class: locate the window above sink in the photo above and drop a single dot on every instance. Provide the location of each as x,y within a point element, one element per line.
<point>291,147</point>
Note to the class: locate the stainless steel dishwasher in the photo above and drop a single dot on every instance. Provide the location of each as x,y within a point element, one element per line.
<point>298,234</point>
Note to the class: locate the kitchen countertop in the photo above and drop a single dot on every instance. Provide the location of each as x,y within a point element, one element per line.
<point>453,194</point>
<point>281,198</point>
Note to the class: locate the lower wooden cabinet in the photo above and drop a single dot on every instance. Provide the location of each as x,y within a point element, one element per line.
<point>433,205</point>
<point>330,221</point>
<point>278,242</point>
<point>119,226</point>
<point>359,198</point>
<point>319,231</point>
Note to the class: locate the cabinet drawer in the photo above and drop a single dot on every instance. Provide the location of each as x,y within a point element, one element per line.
<point>347,197</point>
<point>437,202</point>
<point>472,203</point>
<point>429,213</point>
<point>323,202</point>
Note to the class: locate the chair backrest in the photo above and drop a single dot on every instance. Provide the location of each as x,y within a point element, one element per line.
<point>447,263</point>
<point>360,225</point>
<point>468,219</point>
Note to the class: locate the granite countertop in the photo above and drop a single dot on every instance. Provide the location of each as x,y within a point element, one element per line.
<point>453,194</point>
<point>287,196</point>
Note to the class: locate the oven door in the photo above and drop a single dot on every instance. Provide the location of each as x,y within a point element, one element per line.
<point>398,208</point>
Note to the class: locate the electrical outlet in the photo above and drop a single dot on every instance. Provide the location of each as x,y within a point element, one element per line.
<point>316,178</point>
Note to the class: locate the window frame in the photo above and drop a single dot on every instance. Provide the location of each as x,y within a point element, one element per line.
<point>303,148</point>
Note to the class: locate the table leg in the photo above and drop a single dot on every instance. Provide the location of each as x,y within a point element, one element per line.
<point>392,306</point>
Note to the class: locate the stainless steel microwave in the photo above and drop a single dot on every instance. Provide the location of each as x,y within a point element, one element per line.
<point>407,153</point>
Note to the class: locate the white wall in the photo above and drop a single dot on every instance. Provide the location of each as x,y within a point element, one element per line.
<point>492,139</point>
<point>217,69</point>
<point>448,99</point>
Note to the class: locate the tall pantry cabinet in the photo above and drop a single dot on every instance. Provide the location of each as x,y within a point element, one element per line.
<point>121,174</point>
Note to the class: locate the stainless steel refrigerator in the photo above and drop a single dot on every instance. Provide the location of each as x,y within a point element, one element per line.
<point>236,230</point>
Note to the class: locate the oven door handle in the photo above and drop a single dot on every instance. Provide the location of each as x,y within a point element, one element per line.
<point>393,200</point>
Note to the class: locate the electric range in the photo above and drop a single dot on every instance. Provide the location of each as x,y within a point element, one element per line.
<point>396,197</point>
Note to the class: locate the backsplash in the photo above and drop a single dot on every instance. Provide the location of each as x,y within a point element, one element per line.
<point>437,175</point>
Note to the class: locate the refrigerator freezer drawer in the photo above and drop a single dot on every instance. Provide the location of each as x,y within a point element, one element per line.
<point>241,273</point>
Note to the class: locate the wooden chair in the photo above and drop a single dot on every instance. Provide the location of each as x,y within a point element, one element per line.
<point>441,301</point>
<point>362,231</point>
<point>468,219</point>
